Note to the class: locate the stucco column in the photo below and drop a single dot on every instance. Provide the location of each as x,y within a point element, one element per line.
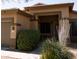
<point>34,23</point>
<point>64,28</point>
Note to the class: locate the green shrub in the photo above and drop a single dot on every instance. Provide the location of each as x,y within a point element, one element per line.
<point>53,50</point>
<point>28,39</point>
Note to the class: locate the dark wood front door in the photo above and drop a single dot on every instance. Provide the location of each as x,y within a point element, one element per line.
<point>45,28</point>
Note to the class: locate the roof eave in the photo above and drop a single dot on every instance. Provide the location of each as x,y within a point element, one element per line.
<point>64,4</point>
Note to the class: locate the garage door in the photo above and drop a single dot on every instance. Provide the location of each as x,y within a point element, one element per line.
<point>5,33</point>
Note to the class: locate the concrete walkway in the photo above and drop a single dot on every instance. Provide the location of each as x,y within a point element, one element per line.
<point>18,55</point>
<point>74,53</point>
<point>33,55</point>
<point>6,57</point>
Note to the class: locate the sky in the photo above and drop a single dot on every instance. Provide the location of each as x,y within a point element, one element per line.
<point>22,3</point>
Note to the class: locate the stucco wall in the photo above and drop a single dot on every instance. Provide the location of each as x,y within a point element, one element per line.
<point>17,19</point>
<point>34,25</point>
<point>24,21</point>
<point>9,14</point>
<point>73,15</point>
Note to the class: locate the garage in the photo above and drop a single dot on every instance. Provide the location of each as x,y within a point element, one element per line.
<point>5,33</point>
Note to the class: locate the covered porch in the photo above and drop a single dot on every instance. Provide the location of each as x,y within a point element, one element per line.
<point>48,26</point>
<point>54,25</point>
<point>53,21</point>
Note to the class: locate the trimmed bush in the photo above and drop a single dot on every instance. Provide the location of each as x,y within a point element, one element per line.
<point>53,50</point>
<point>28,39</point>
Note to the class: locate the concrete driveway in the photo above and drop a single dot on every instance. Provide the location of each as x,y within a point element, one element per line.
<point>6,57</point>
<point>74,53</point>
<point>33,55</point>
<point>18,55</point>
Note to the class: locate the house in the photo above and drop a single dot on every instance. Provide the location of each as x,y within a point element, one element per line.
<point>51,20</point>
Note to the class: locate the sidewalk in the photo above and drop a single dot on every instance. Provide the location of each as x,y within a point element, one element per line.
<point>33,55</point>
<point>74,52</point>
<point>18,55</point>
<point>6,57</point>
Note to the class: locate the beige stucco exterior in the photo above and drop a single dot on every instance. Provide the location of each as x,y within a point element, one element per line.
<point>10,19</point>
<point>73,15</point>
<point>8,14</point>
<point>61,10</point>
<point>22,20</point>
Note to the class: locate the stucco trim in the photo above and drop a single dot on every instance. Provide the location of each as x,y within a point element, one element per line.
<point>17,11</point>
<point>52,5</point>
<point>7,19</point>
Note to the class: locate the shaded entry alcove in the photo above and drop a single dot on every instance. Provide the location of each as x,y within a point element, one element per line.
<point>45,27</point>
<point>48,26</point>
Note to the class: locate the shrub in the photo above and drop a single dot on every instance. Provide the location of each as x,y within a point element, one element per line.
<point>53,50</point>
<point>28,39</point>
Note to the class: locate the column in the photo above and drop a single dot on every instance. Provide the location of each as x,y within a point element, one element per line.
<point>64,28</point>
<point>34,23</point>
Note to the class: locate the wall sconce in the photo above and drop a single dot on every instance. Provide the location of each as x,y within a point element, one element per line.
<point>13,26</point>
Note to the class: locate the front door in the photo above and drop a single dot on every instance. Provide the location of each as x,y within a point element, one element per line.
<point>45,28</point>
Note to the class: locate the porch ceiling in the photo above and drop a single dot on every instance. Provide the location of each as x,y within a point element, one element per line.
<point>48,18</point>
